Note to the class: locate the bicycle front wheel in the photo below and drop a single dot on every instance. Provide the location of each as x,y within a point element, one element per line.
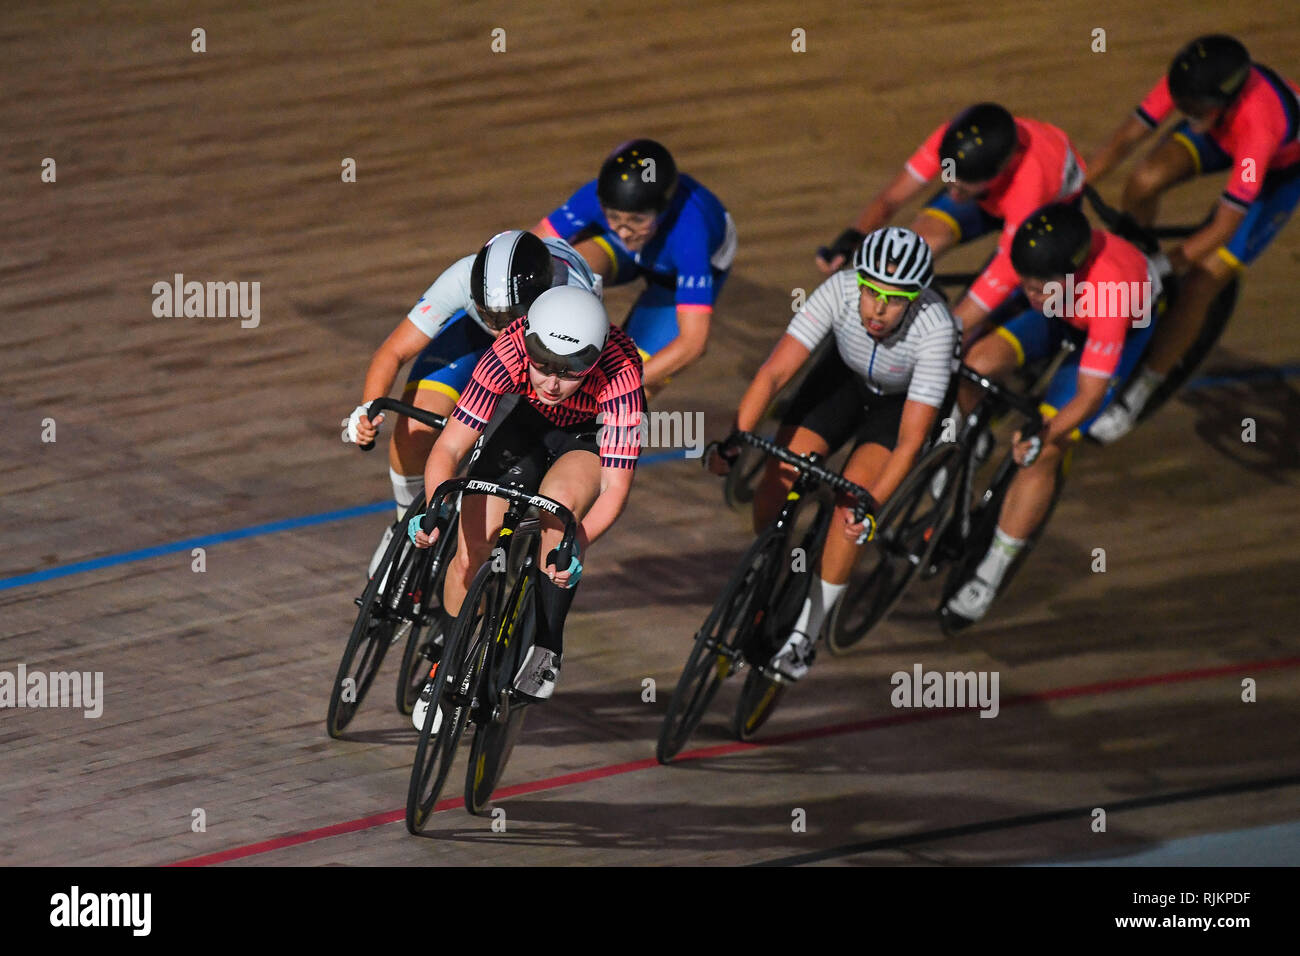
<point>907,530</point>
<point>424,643</point>
<point>716,651</point>
<point>455,686</point>
<point>758,699</point>
<point>367,644</point>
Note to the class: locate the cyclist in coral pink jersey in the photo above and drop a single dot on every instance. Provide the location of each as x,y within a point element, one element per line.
<point>1086,286</point>
<point>1241,118</point>
<point>997,169</point>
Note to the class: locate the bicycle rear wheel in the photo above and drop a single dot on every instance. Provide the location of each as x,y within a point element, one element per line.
<point>907,530</point>
<point>456,683</point>
<point>372,633</point>
<point>784,600</point>
<point>716,650</point>
<point>1216,321</point>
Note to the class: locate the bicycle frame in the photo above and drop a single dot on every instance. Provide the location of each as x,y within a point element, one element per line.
<point>502,629</point>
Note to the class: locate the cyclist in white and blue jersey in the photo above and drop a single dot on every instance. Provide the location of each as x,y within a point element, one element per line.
<point>454,323</point>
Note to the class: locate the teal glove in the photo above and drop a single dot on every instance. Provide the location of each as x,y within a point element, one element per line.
<point>575,568</point>
<point>413,526</point>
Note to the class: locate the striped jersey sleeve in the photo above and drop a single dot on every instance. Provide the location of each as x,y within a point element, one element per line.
<point>816,319</point>
<point>620,400</point>
<point>936,347</point>
<point>502,370</point>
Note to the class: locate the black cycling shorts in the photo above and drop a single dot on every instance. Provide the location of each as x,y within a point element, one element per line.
<point>834,403</point>
<point>525,444</point>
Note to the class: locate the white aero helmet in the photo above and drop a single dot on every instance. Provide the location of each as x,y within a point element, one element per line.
<point>565,330</point>
<point>897,256</point>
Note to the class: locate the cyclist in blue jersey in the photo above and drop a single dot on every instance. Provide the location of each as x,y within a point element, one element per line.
<point>640,217</point>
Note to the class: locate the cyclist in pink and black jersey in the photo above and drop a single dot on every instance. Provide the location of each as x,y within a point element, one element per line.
<point>573,436</point>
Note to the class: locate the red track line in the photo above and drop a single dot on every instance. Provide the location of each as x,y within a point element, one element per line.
<point>720,750</point>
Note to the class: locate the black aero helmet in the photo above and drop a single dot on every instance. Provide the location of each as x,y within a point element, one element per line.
<point>1054,240</point>
<point>639,176</point>
<point>511,270</point>
<point>1209,71</point>
<point>979,142</point>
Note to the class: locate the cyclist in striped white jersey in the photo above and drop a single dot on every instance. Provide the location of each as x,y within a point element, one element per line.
<point>882,385</point>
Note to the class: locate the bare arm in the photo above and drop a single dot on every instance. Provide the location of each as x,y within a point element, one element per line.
<point>453,444</point>
<point>615,486</point>
<point>544,230</point>
<point>912,430</point>
<point>888,201</point>
<point>1126,136</point>
<point>1201,244</point>
<point>691,342</point>
<point>878,211</point>
<point>404,344</point>
<point>782,365</point>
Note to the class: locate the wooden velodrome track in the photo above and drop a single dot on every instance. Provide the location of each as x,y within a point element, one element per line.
<point>225,166</point>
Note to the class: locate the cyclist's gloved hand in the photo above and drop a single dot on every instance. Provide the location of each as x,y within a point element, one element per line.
<point>413,531</point>
<point>574,569</point>
<point>868,522</point>
<point>719,456</point>
<point>1030,455</point>
<point>356,433</point>
<point>845,244</point>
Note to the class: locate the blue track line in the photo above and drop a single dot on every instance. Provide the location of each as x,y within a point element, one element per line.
<point>325,517</point>
<point>253,531</point>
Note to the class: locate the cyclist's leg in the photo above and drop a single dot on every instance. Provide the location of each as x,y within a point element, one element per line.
<point>1181,325</point>
<point>1025,338</point>
<point>876,436</point>
<point>512,455</point>
<point>1030,337</point>
<point>1177,157</point>
<point>574,481</point>
<point>819,419</point>
<point>437,377</point>
<point>944,222</point>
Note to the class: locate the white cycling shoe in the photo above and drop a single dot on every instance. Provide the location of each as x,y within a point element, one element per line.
<point>1114,423</point>
<point>421,711</point>
<point>538,674</point>
<point>795,656</point>
<point>973,600</point>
